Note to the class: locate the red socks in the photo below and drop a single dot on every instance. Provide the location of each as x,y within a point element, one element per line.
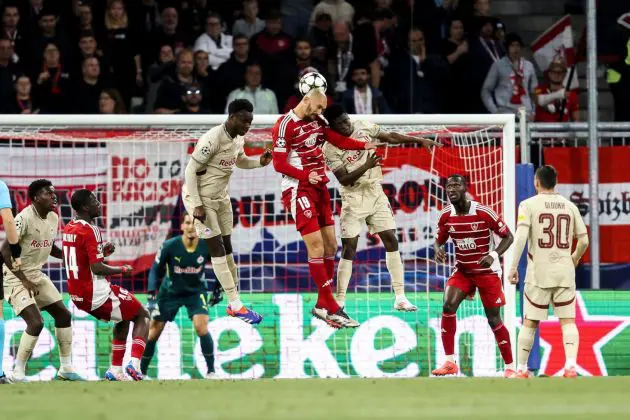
<point>137,347</point>
<point>329,263</point>
<point>502,336</point>
<point>449,326</point>
<point>118,352</point>
<point>319,272</point>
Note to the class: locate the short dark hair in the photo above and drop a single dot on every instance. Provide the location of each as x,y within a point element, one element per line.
<point>238,105</point>
<point>80,198</point>
<point>383,13</point>
<point>239,36</point>
<point>273,14</point>
<point>458,176</point>
<point>182,217</point>
<point>359,65</point>
<point>47,11</point>
<point>333,112</point>
<point>87,34</point>
<point>214,15</point>
<point>547,176</point>
<point>36,187</point>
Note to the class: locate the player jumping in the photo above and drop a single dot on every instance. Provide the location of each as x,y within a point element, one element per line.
<point>85,254</point>
<point>205,196</point>
<point>6,213</point>
<point>471,226</point>
<point>180,262</point>
<point>548,222</point>
<point>297,155</point>
<point>363,199</point>
<point>29,290</point>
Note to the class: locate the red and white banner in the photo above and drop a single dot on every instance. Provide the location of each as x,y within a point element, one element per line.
<point>556,43</point>
<point>614,194</point>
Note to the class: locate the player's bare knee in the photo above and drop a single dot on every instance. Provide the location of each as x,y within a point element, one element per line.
<point>215,244</point>
<point>530,323</point>
<point>494,320</point>
<point>450,307</point>
<point>63,318</point>
<point>227,244</point>
<point>35,325</point>
<point>349,249</point>
<point>201,325</point>
<point>390,242</point>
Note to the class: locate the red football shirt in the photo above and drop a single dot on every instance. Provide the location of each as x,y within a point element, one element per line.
<point>83,246</point>
<point>472,235</point>
<point>544,114</point>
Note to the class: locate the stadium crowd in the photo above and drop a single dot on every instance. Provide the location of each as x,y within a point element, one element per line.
<point>194,56</point>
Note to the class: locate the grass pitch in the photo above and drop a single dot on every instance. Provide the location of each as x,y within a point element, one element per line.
<point>429,398</point>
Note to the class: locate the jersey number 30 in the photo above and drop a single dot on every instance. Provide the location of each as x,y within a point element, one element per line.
<point>70,257</point>
<point>556,230</point>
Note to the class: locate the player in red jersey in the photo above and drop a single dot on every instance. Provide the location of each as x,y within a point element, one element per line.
<point>471,226</point>
<point>84,255</point>
<point>297,155</point>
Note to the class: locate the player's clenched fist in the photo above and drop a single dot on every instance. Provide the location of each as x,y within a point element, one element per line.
<point>265,158</point>
<point>513,276</point>
<point>199,214</point>
<point>314,177</point>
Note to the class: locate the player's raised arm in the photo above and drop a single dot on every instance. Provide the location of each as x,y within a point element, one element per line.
<point>243,162</point>
<point>397,138</point>
<point>522,233</point>
<point>346,143</point>
<point>499,227</point>
<point>281,135</point>
<point>9,224</point>
<point>581,234</point>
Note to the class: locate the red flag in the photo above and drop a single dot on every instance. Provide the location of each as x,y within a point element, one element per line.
<point>556,43</point>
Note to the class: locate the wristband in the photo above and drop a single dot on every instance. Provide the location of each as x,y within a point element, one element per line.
<point>494,255</point>
<point>16,250</point>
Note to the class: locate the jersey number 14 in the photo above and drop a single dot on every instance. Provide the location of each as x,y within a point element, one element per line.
<point>70,258</point>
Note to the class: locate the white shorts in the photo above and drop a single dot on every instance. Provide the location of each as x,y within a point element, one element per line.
<point>537,301</point>
<point>368,205</point>
<point>19,298</point>
<point>219,218</point>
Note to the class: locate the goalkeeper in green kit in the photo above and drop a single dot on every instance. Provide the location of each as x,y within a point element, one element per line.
<point>180,262</point>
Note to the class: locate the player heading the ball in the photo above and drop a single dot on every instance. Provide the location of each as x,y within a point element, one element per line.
<point>363,200</point>
<point>205,196</point>
<point>471,227</point>
<point>548,222</point>
<point>28,289</point>
<point>297,155</point>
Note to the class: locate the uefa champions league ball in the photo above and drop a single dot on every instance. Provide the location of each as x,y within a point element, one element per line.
<point>311,81</point>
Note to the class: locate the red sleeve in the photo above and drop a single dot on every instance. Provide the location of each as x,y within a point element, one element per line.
<point>282,135</point>
<point>442,231</point>
<point>574,103</point>
<point>495,223</point>
<point>342,142</point>
<point>93,244</point>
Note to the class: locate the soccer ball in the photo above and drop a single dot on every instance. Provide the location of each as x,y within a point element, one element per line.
<point>311,81</point>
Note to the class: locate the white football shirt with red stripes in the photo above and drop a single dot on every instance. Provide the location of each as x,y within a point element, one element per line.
<point>473,236</point>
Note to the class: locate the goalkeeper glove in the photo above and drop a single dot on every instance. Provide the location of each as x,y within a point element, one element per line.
<point>216,295</point>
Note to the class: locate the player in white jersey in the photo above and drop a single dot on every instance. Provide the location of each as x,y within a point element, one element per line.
<point>363,200</point>
<point>28,290</point>
<point>549,222</point>
<point>205,196</point>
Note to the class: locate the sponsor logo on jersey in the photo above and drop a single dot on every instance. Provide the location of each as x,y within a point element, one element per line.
<point>178,259</point>
<point>227,163</point>
<point>354,156</point>
<point>466,244</point>
<point>41,244</point>
<point>76,298</point>
<point>187,270</point>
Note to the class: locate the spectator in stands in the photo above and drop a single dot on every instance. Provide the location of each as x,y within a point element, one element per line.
<point>30,15</point>
<point>231,74</point>
<point>204,77</point>
<point>88,47</point>
<point>192,100</point>
<point>455,50</point>
<point>339,10</point>
<point>8,71</point>
<point>273,49</point>
<point>53,85</point>
<point>111,102</point>
<point>161,68</point>
<point>87,91</point>
<point>250,24</point>
<point>23,102</point>
<point>48,33</point>
<point>618,77</point>
<point>296,16</point>
<point>510,82</point>
<point>120,45</point>
<point>341,58</point>
<point>218,45</point>
<point>297,96</point>
<point>484,51</point>
<point>304,59</point>
<point>321,38</point>
<point>84,19</point>
<point>10,27</point>
<point>369,44</point>
<point>418,78</point>
<point>363,98</point>
<point>145,17</point>
<point>169,95</point>
<point>499,32</point>
<point>193,15</point>
<point>170,32</point>
<point>551,98</point>
<point>264,99</point>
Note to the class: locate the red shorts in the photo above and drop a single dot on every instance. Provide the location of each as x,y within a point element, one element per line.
<point>121,305</point>
<point>309,206</point>
<point>489,285</point>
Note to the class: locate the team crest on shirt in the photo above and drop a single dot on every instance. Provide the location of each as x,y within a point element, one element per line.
<point>308,213</point>
<point>199,259</point>
<point>475,226</point>
<point>311,140</point>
